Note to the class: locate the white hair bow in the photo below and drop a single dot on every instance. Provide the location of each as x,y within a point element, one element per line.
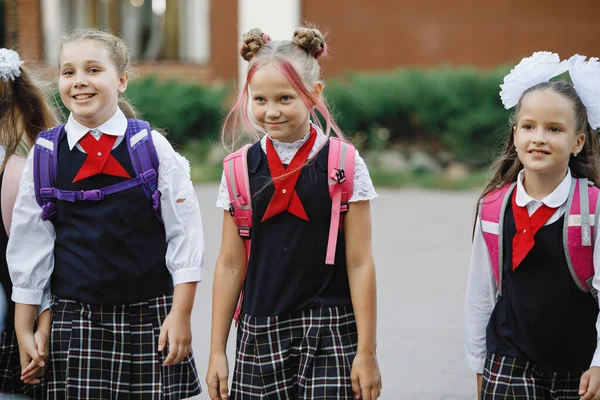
<point>540,67</point>
<point>10,65</point>
<point>586,80</point>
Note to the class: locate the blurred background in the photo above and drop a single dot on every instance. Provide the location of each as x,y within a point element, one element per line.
<point>414,85</point>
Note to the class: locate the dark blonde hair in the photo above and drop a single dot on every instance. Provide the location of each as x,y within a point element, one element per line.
<point>25,111</point>
<point>298,61</point>
<point>119,54</point>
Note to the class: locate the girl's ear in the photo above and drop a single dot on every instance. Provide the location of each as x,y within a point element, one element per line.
<point>318,89</point>
<point>123,82</point>
<point>514,133</point>
<point>579,142</point>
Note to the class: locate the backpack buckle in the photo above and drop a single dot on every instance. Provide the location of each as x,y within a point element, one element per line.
<point>231,210</point>
<point>344,206</point>
<point>47,193</point>
<point>92,195</point>
<point>338,175</point>
<point>244,232</point>
<point>148,175</point>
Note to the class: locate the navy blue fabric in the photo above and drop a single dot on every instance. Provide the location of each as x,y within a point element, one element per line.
<point>542,316</point>
<point>111,251</point>
<point>287,270</point>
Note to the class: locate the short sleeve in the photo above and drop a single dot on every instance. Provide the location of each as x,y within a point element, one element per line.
<point>363,186</point>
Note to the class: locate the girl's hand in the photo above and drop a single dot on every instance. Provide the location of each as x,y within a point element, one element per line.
<point>177,328</point>
<point>217,377</point>
<point>32,362</point>
<point>366,378</point>
<point>589,386</point>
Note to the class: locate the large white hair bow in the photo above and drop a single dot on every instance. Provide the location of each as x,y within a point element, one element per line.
<point>586,80</point>
<point>540,67</point>
<point>10,65</point>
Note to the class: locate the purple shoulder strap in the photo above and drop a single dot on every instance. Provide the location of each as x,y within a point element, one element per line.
<point>144,158</point>
<point>45,166</point>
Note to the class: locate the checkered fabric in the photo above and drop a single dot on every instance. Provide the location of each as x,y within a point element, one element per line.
<point>110,352</point>
<point>307,355</point>
<point>10,371</point>
<point>509,378</point>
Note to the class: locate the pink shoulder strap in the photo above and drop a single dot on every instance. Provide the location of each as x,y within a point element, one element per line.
<point>340,172</point>
<point>235,166</point>
<point>579,232</point>
<point>491,213</point>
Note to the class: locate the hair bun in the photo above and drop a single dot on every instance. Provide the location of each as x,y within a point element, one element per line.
<point>311,40</point>
<point>252,41</point>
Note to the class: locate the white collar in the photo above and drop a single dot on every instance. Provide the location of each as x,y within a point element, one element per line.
<point>554,200</point>
<point>116,126</point>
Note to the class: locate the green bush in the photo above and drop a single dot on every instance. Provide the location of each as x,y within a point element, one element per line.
<point>460,108</point>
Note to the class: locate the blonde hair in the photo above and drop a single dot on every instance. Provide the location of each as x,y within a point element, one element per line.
<point>119,54</point>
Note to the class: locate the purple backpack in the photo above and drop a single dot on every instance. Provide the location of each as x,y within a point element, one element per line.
<point>579,232</point>
<point>143,157</point>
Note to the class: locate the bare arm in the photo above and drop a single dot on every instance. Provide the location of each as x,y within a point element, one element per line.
<point>361,273</point>
<point>365,376</point>
<point>227,283</point>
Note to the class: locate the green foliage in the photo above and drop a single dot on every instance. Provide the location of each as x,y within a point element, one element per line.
<point>458,108</point>
<point>184,111</point>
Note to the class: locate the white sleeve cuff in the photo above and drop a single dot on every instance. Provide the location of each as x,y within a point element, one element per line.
<point>27,296</point>
<point>186,275</point>
<point>596,359</point>
<point>475,363</point>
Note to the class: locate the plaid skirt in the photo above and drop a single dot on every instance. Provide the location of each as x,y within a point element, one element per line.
<point>510,378</point>
<point>307,355</point>
<point>10,371</point>
<point>110,352</point>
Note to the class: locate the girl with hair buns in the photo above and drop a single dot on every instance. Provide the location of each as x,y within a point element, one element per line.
<point>531,314</point>
<point>118,241</point>
<point>306,330</point>
<point>25,110</point>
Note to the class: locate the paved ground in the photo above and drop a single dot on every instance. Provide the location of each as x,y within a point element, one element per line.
<point>421,242</point>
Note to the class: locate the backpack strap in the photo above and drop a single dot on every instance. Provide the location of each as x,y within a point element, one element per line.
<point>144,159</point>
<point>235,167</point>
<point>491,213</point>
<point>44,170</point>
<point>340,173</point>
<point>579,231</point>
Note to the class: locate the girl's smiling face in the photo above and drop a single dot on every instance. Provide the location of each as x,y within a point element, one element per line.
<point>276,106</point>
<point>89,83</point>
<point>545,132</point>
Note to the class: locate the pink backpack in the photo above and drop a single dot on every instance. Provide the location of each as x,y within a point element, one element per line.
<point>341,159</point>
<point>578,233</point>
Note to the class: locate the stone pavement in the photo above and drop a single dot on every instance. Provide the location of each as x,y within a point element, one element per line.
<point>421,242</point>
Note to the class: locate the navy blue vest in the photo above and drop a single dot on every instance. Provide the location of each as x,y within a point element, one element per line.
<point>111,251</point>
<point>542,316</point>
<point>9,321</point>
<point>287,270</point>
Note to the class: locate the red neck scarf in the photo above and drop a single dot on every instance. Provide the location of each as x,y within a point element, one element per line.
<point>527,227</point>
<point>99,160</point>
<point>285,197</point>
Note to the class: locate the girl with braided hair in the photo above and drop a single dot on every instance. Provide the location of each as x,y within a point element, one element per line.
<point>307,330</point>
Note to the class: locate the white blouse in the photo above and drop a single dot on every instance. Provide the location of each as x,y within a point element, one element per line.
<point>363,186</point>
<point>481,286</point>
<point>30,253</point>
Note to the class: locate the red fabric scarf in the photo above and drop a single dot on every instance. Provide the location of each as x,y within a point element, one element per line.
<point>527,227</point>
<point>99,160</point>
<point>285,197</point>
